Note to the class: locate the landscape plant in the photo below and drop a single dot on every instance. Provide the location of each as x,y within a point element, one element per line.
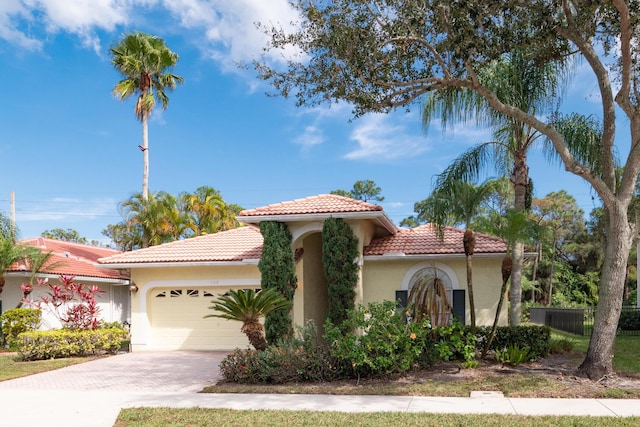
<point>376,340</point>
<point>340,263</point>
<point>15,321</point>
<point>73,304</point>
<point>145,63</point>
<point>278,271</point>
<point>62,343</point>
<point>249,306</point>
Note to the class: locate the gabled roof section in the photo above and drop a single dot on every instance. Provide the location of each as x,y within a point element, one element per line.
<point>316,208</point>
<point>424,240</point>
<point>321,204</point>
<point>236,245</point>
<point>71,259</point>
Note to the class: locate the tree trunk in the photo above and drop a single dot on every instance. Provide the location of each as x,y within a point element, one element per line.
<point>553,267</point>
<point>515,295</point>
<point>255,332</point>
<point>145,156</point>
<point>534,274</point>
<point>598,362</point>
<point>520,180</point>
<point>469,243</point>
<point>507,269</point>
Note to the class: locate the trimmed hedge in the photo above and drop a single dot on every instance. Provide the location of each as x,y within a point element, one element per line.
<point>629,320</point>
<point>536,338</point>
<point>60,343</point>
<point>16,321</point>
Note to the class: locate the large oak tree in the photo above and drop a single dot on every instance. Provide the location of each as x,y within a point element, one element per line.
<point>387,54</point>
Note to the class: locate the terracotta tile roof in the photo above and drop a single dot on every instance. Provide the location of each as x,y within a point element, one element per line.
<point>73,259</point>
<point>321,204</point>
<point>232,245</point>
<point>424,240</point>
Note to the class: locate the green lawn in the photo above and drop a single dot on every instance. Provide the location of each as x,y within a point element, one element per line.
<point>627,350</point>
<point>11,367</point>
<point>195,417</point>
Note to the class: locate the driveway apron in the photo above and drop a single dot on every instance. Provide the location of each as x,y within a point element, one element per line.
<point>181,371</point>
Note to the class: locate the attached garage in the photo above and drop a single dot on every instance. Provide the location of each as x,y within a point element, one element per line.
<point>176,320</point>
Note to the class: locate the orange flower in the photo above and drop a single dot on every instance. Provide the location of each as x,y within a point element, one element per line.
<point>412,336</point>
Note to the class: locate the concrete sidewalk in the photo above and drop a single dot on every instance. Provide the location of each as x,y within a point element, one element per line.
<point>86,408</point>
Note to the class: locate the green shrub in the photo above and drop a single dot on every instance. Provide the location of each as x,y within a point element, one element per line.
<point>375,340</point>
<point>561,345</point>
<point>455,342</point>
<point>299,359</point>
<point>60,343</point>
<point>536,338</point>
<point>513,355</point>
<point>629,320</point>
<point>16,321</point>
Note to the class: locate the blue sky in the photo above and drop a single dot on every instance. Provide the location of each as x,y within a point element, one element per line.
<point>70,153</point>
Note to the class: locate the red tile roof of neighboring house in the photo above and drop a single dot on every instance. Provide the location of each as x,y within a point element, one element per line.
<point>71,259</point>
<point>321,204</point>
<point>233,245</point>
<point>425,240</point>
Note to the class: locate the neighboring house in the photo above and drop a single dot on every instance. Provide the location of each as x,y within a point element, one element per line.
<point>175,283</point>
<point>71,259</point>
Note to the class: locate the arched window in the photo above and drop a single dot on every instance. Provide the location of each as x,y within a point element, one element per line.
<point>433,294</point>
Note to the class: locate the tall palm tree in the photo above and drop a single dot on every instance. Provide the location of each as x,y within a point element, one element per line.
<point>452,203</point>
<point>248,306</point>
<point>519,81</point>
<point>143,60</point>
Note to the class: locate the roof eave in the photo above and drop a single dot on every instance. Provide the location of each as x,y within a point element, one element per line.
<point>378,216</point>
<point>128,265</point>
<point>395,256</point>
<point>120,281</point>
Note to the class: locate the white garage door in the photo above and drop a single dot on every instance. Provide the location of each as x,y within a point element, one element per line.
<point>176,317</point>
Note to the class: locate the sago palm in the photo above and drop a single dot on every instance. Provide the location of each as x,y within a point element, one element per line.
<point>248,306</point>
<point>144,61</point>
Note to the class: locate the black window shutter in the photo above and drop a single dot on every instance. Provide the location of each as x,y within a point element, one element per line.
<point>459,309</point>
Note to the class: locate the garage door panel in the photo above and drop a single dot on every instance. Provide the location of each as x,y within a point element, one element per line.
<point>176,317</point>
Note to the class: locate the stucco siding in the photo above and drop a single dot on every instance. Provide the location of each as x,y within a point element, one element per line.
<point>383,278</point>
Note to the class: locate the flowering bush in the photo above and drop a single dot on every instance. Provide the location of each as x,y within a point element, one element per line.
<point>376,340</point>
<point>73,304</point>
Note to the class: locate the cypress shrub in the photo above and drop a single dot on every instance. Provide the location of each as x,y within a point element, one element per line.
<point>339,254</point>
<point>278,271</point>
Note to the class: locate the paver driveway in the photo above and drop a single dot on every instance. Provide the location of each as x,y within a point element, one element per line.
<point>181,371</point>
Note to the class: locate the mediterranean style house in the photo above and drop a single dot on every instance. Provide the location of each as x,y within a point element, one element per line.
<point>172,285</point>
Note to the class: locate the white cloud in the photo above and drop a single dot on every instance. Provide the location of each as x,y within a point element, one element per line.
<point>311,136</point>
<point>10,12</point>
<point>380,137</point>
<point>230,26</point>
<point>227,28</point>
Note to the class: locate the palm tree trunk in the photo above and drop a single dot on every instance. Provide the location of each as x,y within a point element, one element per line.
<point>255,332</point>
<point>507,268</point>
<point>469,243</point>
<point>520,180</point>
<point>145,156</point>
